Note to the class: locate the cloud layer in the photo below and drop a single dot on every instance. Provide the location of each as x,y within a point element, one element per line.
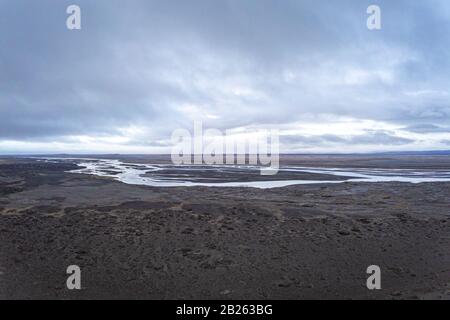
<point>138,70</point>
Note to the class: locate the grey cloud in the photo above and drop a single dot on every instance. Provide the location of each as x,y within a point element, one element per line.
<point>427,128</point>
<point>370,137</point>
<point>141,62</point>
<point>319,140</point>
<point>380,138</point>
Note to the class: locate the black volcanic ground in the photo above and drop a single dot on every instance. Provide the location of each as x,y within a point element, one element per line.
<point>307,241</point>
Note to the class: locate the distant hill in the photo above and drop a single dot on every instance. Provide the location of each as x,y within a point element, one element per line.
<point>425,153</point>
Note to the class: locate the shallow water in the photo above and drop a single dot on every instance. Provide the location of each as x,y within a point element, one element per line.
<point>132,173</point>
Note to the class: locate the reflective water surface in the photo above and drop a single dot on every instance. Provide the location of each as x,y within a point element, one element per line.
<point>167,175</point>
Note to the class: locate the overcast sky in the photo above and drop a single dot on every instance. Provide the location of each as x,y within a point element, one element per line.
<point>137,70</point>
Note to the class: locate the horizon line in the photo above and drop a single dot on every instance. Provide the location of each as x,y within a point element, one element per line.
<point>192,154</point>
